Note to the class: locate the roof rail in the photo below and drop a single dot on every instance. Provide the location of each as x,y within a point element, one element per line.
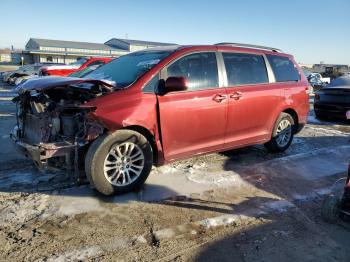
<point>252,46</point>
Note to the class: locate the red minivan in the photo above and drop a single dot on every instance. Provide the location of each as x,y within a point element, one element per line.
<point>159,105</point>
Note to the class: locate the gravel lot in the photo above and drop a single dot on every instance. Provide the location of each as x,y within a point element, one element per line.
<point>242,205</point>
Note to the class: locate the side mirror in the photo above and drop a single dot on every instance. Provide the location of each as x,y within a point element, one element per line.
<point>176,84</point>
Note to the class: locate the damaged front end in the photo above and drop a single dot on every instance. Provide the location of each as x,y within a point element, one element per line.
<point>53,125</point>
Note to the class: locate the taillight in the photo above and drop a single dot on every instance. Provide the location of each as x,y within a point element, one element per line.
<point>348,114</point>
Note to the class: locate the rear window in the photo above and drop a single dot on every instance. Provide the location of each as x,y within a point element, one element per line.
<point>340,81</point>
<point>245,69</point>
<point>283,68</point>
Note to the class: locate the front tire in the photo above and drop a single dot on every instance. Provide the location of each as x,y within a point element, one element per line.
<point>118,163</point>
<point>282,135</point>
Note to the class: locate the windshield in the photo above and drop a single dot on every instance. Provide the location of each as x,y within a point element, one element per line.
<point>26,67</point>
<point>126,69</point>
<point>79,62</point>
<point>84,71</point>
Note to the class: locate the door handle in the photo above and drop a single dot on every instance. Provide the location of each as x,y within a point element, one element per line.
<point>219,97</point>
<point>236,95</point>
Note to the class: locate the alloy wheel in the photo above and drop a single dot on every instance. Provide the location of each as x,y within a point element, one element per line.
<point>124,164</point>
<point>283,133</point>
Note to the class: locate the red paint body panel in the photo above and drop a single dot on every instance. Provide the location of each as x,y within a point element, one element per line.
<point>192,123</point>
<point>189,123</point>
<point>247,118</point>
<point>65,70</point>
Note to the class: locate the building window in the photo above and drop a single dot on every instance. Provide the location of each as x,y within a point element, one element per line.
<point>49,59</point>
<point>54,49</point>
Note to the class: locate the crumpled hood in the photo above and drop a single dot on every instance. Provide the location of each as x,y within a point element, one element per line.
<point>47,82</point>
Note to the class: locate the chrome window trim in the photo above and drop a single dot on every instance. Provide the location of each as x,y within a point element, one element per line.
<point>270,73</point>
<point>222,69</point>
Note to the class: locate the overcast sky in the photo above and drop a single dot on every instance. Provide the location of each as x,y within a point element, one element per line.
<point>311,30</point>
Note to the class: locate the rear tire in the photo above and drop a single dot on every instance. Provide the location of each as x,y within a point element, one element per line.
<point>330,208</point>
<point>118,163</point>
<point>282,135</point>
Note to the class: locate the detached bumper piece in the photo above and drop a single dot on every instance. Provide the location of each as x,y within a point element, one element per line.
<point>42,152</point>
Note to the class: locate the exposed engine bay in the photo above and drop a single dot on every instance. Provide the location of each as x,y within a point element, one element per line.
<point>53,125</point>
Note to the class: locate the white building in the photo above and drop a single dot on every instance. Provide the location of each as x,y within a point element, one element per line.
<point>46,50</point>
<point>5,56</point>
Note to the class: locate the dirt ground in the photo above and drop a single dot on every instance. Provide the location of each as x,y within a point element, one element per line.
<point>242,205</point>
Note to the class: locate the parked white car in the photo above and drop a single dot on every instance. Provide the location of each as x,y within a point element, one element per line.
<point>325,80</point>
<point>22,79</point>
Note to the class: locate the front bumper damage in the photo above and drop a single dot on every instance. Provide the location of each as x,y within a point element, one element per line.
<point>42,152</point>
<point>54,125</point>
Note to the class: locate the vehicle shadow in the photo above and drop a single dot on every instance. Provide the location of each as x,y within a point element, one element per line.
<point>30,180</point>
<point>246,207</point>
<point>282,240</point>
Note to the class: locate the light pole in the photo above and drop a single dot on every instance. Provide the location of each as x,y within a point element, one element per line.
<point>22,60</point>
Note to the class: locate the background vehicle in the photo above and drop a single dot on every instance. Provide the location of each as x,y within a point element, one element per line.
<point>325,80</point>
<point>333,100</point>
<point>159,105</point>
<point>315,81</point>
<point>65,70</point>
<point>4,75</point>
<point>27,70</point>
<point>79,73</point>
<point>85,71</point>
<point>24,70</point>
<point>22,79</point>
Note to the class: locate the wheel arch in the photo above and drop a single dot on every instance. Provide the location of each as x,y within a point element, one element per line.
<point>295,117</point>
<point>149,136</point>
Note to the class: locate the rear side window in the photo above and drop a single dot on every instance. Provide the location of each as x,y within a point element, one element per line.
<point>245,69</point>
<point>200,69</point>
<point>283,68</point>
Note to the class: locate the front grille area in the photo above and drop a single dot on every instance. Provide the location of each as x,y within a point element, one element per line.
<point>36,129</point>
